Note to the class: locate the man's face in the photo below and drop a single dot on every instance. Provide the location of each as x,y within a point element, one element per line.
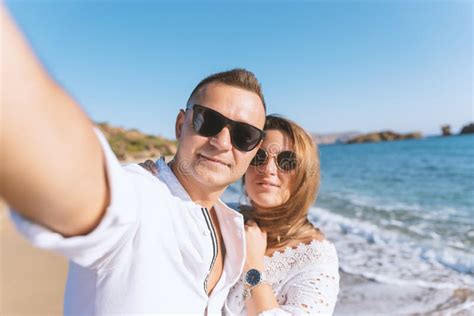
<point>213,162</point>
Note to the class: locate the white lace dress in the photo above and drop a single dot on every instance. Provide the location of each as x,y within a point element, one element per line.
<point>305,280</point>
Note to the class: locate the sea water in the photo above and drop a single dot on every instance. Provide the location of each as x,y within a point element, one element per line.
<point>399,212</point>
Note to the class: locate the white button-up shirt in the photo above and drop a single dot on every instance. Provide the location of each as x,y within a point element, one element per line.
<point>152,251</point>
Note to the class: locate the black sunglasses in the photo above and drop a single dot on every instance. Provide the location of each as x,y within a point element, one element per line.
<point>207,122</point>
<point>285,160</point>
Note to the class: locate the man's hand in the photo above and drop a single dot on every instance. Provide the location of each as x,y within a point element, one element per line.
<point>64,186</point>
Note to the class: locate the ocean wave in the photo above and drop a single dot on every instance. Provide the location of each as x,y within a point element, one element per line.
<point>436,225</point>
<point>397,281</point>
<point>356,199</point>
<point>449,260</point>
<point>388,256</point>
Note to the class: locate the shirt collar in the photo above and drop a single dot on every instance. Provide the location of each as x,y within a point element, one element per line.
<point>230,221</point>
<point>176,188</point>
<point>166,175</point>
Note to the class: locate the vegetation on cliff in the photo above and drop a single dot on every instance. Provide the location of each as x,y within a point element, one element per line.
<point>133,145</point>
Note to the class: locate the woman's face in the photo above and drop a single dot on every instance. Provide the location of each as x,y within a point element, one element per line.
<point>267,185</point>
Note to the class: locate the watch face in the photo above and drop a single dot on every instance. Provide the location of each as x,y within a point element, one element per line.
<point>252,277</point>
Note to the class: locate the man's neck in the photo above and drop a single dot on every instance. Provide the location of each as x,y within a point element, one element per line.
<point>197,193</point>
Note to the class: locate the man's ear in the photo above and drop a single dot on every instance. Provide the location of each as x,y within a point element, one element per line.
<point>179,123</point>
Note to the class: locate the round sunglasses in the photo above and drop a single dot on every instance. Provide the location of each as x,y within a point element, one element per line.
<point>208,123</point>
<point>285,160</point>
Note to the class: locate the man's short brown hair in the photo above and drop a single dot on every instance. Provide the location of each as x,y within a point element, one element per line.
<point>238,77</point>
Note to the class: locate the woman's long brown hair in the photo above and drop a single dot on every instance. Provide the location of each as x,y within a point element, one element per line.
<point>289,221</point>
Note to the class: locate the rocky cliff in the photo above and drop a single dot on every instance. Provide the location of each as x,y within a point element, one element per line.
<point>383,136</point>
<point>132,145</point>
<point>467,129</point>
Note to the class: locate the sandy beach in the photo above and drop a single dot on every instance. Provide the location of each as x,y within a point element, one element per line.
<point>32,280</point>
<point>362,296</point>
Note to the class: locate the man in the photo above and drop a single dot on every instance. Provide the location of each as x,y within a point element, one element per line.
<point>136,243</point>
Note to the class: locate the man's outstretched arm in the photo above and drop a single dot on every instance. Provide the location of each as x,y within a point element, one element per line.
<point>52,170</point>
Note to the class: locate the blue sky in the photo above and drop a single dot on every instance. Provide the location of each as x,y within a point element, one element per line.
<point>331,66</point>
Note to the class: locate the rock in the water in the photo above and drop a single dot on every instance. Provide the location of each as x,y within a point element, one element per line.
<point>446,130</point>
<point>468,129</point>
<point>383,136</point>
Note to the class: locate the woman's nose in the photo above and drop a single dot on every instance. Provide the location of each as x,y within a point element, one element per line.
<point>270,167</point>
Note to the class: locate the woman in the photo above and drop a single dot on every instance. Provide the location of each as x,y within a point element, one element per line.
<point>300,266</point>
<point>290,267</point>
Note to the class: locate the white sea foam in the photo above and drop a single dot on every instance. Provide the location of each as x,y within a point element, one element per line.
<point>388,256</point>
<point>466,307</point>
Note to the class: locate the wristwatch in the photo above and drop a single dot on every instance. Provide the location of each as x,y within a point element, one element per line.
<point>252,279</point>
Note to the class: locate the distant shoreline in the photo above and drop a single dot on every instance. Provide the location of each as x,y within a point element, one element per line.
<point>399,140</point>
